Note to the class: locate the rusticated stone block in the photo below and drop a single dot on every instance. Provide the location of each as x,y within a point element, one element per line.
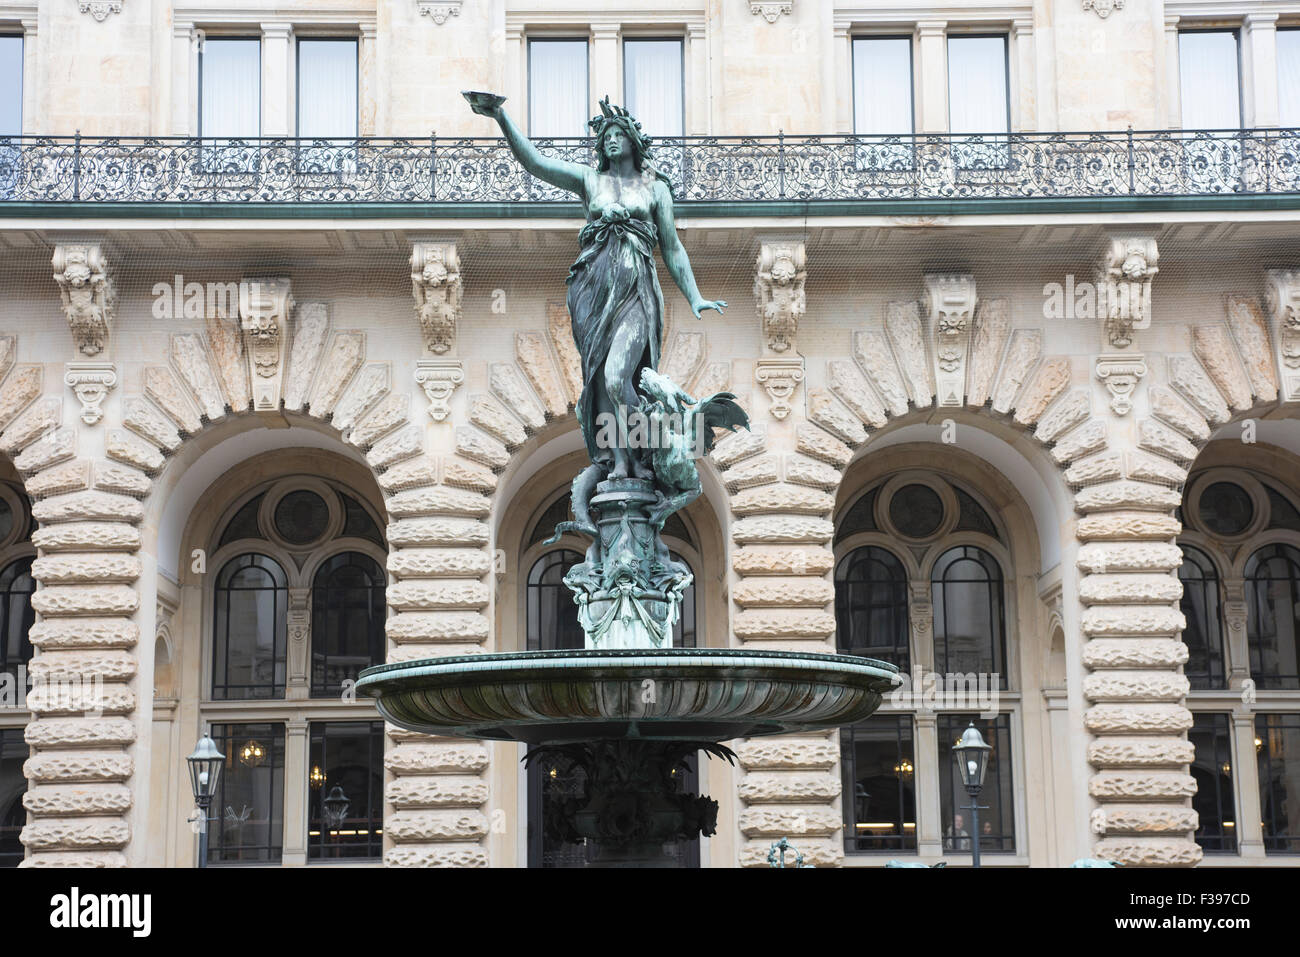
<point>54,448</point>
<point>1135,620</point>
<point>851,386</point>
<point>831,415</point>
<point>818,853</point>
<point>49,733</point>
<point>757,592</point>
<point>1134,588</point>
<point>114,665</point>
<point>462,474</point>
<point>111,477</point>
<point>1134,653</point>
<point>782,560</point>
<point>437,626</point>
<point>781,528</point>
<point>1212,346</point>
<point>1135,686</point>
<point>1150,819</point>
<point>787,753</point>
<point>1143,785</point>
<point>1153,751</point>
<point>775,822</point>
<point>783,623</point>
<point>436,855</point>
<point>762,470</point>
<point>73,801</point>
<point>87,536</point>
<point>61,600</point>
<point>801,470</point>
<point>84,633</point>
<point>438,500</point>
<point>797,499</point>
<point>420,595</point>
<point>508,384</point>
<point>478,446</point>
<point>440,758</point>
<point>38,420</point>
<point>67,477</point>
<point>1065,414</point>
<point>144,419</point>
<point>1103,557</point>
<point>1137,719</point>
<point>1162,440</point>
<point>1113,526</point>
<point>1149,468</point>
<point>1149,852</point>
<point>66,767</point>
<point>93,567</point>
<point>441,790</point>
<point>405,652</point>
<point>819,444</point>
<point>436,531</point>
<point>74,697</point>
<point>370,385</point>
<point>413,473</point>
<point>496,420</point>
<point>1048,382</point>
<point>456,825</point>
<point>132,450</point>
<point>1177,414</point>
<point>788,787</point>
<point>76,859</point>
<point>1078,442</point>
<point>392,412</point>
<point>1099,468</point>
<point>738,446</point>
<point>1110,496</point>
<point>398,447</point>
<point>535,359</point>
<point>439,562</point>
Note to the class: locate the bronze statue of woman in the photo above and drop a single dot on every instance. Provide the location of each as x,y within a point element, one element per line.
<point>614,299</point>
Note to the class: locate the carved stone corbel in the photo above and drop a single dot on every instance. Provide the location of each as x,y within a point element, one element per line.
<point>1103,8</point>
<point>950,304</point>
<point>779,293</point>
<point>1282,295</point>
<point>439,10</point>
<point>99,9</point>
<point>264,307</point>
<point>91,382</point>
<point>1121,373</point>
<point>436,285</point>
<point>771,10</point>
<point>88,293</point>
<point>439,378</point>
<point>1124,287</point>
<point>780,377</point>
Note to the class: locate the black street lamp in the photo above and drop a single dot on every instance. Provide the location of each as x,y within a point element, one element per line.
<point>972,754</point>
<point>205,771</point>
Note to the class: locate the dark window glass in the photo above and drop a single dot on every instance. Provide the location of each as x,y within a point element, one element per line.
<point>244,523</point>
<point>969,614</point>
<point>1272,590</point>
<point>347,762</point>
<point>357,522</point>
<point>552,612</point>
<point>1200,606</point>
<point>347,621</point>
<point>916,511</point>
<point>1278,744</point>
<point>16,615</point>
<point>1281,513</point>
<point>1225,508</point>
<point>877,762</point>
<point>1212,769</point>
<point>871,606</point>
<point>250,629</point>
<point>972,517</point>
<point>249,805</point>
<point>6,519</point>
<point>558,511</point>
<point>301,516</point>
<point>13,752</point>
<point>861,517</point>
<point>998,822</point>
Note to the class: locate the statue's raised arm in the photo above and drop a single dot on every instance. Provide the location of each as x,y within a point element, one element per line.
<point>557,172</point>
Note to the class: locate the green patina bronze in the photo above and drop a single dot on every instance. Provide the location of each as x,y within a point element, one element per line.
<point>642,431</point>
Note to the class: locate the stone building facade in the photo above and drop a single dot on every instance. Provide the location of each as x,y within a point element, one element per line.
<point>1064,388</point>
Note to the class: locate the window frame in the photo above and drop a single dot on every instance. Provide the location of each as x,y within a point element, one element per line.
<point>261,56</point>
<point>989,139</point>
<point>531,39</point>
<point>297,80</point>
<point>624,40</point>
<point>1235,29</point>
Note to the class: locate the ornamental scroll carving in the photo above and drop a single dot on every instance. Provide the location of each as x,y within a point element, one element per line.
<point>1124,286</point>
<point>264,306</point>
<point>950,304</point>
<point>88,293</point>
<point>91,383</point>
<point>779,293</point>
<point>436,285</point>
<point>1282,297</point>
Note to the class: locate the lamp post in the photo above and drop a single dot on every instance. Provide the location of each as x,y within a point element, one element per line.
<point>205,771</point>
<point>972,754</point>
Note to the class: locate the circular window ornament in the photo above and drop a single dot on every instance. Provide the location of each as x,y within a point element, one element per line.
<point>1225,508</point>
<point>916,511</point>
<point>1226,504</point>
<point>13,515</point>
<point>301,517</point>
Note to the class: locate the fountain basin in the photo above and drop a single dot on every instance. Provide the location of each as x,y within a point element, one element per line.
<point>676,694</point>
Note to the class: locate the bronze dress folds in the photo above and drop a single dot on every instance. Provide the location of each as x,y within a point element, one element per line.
<point>613,282</point>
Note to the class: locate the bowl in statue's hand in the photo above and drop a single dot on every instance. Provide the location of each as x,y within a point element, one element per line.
<point>483,103</point>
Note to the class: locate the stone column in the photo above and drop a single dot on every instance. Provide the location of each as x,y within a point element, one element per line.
<point>1024,103</point>
<point>1259,70</point>
<point>33,114</point>
<point>1173,79</point>
<point>296,796</point>
<point>184,80</point>
<point>699,92</point>
<point>1250,832</point>
<point>932,70</point>
<point>606,78</point>
<point>373,93</point>
<point>843,91</point>
<point>929,804</point>
<point>277,80</point>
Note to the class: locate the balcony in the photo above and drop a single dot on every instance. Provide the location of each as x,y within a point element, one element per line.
<point>42,175</point>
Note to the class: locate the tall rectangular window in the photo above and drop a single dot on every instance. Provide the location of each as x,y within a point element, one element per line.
<point>1288,77</point>
<point>977,85</point>
<point>11,81</point>
<point>13,752</point>
<point>249,805</point>
<point>327,88</point>
<point>345,813</point>
<point>1277,741</point>
<point>1209,74</point>
<point>882,86</point>
<point>997,826</point>
<point>557,88</point>
<point>230,87</point>
<point>653,87</point>
<point>1214,802</point>
<point>877,761</point>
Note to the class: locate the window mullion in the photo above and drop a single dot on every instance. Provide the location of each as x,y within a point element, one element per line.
<point>299,642</point>
<point>295,792</point>
<point>1250,832</point>
<point>929,778</point>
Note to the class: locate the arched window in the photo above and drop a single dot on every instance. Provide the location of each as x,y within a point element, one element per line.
<point>1272,615</point>
<point>347,621</point>
<point>250,629</point>
<point>16,615</point>
<point>871,606</point>
<point>1200,606</point>
<point>969,614</point>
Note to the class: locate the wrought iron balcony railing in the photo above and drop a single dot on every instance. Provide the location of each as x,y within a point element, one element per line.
<point>703,169</point>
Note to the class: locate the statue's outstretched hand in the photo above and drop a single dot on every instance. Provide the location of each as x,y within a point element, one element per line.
<point>698,307</point>
<point>484,104</point>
